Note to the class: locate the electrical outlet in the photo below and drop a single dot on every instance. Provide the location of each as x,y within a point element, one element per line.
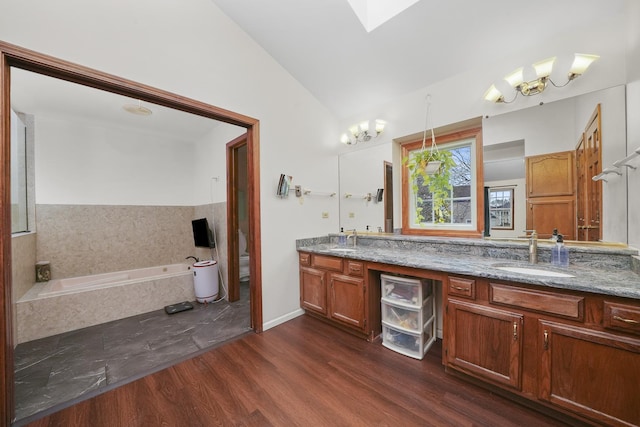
<point>352,215</point>
<point>325,215</point>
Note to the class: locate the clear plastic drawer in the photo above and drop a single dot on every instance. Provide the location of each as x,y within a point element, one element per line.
<point>406,290</point>
<point>407,343</point>
<point>405,317</point>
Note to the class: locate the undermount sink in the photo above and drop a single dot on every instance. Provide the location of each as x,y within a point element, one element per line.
<point>533,271</point>
<point>342,249</point>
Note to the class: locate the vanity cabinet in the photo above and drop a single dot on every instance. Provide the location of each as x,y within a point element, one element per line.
<point>576,352</point>
<point>484,342</point>
<point>590,372</point>
<point>335,290</point>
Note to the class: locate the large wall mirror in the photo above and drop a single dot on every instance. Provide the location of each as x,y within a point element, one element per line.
<point>551,128</point>
<point>507,139</point>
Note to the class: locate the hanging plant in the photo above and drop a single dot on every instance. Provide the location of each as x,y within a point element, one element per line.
<point>431,168</point>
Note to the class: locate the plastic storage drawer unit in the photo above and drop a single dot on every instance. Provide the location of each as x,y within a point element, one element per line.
<point>408,315</point>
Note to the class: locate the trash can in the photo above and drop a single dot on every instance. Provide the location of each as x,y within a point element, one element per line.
<point>205,280</point>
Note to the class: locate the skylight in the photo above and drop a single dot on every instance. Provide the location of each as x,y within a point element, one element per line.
<point>373,13</point>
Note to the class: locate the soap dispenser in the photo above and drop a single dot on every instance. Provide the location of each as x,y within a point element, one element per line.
<point>342,238</point>
<point>560,253</point>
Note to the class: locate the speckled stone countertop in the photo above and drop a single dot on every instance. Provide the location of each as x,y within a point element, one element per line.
<point>601,270</point>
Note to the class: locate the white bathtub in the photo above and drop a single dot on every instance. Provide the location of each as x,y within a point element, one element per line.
<point>68,304</point>
<point>118,278</point>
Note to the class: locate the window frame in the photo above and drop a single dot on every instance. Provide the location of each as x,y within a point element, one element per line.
<point>449,230</point>
<point>510,189</point>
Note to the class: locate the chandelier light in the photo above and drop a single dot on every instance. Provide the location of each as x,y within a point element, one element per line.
<point>543,71</point>
<point>361,133</point>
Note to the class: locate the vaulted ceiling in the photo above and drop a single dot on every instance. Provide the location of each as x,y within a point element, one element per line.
<point>323,44</point>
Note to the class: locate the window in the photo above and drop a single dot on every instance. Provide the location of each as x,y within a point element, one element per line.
<point>19,217</point>
<point>501,208</point>
<point>454,208</point>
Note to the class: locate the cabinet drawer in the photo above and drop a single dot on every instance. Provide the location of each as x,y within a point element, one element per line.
<point>305,259</point>
<point>569,306</point>
<point>355,268</point>
<point>462,287</point>
<point>622,317</point>
<point>327,262</point>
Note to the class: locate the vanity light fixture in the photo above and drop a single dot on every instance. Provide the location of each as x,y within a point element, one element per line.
<point>361,133</point>
<point>138,109</point>
<point>543,71</point>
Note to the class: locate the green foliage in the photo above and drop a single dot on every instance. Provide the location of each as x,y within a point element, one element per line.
<point>438,183</point>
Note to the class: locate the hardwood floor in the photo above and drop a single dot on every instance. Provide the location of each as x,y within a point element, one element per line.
<point>301,373</point>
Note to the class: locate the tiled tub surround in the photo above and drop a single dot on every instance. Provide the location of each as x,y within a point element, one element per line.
<point>597,269</point>
<point>42,312</point>
<point>79,240</point>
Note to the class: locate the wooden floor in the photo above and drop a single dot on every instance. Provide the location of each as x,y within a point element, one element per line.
<point>301,373</point>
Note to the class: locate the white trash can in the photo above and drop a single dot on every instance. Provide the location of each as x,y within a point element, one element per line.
<point>205,280</point>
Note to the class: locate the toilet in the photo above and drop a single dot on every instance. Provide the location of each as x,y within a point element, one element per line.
<point>244,256</point>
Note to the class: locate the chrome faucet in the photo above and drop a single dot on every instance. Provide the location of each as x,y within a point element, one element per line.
<point>354,235</point>
<point>533,246</point>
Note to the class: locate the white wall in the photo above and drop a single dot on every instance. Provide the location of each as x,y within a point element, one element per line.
<point>633,124</point>
<point>80,162</point>
<point>192,49</point>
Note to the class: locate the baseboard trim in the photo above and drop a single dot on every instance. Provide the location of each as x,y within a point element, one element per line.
<point>277,321</point>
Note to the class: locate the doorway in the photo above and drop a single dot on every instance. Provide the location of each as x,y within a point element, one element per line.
<point>388,197</point>
<point>15,56</point>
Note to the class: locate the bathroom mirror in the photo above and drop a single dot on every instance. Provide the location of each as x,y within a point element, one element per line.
<point>507,139</point>
<point>362,176</point>
<point>557,127</point>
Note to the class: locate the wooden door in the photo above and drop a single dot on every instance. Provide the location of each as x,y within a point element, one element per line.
<point>551,194</point>
<point>484,342</point>
<point>593,189</point>
<point>313,290</point>
<point>544,214</point>
<point>581,189</point>
<point>590,372</point>
<point>346,300</point>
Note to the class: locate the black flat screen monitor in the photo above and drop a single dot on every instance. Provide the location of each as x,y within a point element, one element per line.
<point>202,236</point>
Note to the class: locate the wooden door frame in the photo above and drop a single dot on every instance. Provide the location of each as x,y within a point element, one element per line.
<point>18,57</point>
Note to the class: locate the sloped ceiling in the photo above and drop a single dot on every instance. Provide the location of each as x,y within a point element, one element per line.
<point>325,47</point>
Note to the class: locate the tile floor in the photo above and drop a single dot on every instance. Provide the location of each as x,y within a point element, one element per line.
<point>52,372</point>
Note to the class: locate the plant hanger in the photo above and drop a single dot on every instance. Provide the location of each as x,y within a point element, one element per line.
<point>432,165</point>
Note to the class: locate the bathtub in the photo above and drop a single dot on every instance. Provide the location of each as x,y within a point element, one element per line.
<point>119,278</point>
<point>65,305</point>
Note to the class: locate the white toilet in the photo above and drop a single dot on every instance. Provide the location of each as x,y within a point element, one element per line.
<point>244,256</point>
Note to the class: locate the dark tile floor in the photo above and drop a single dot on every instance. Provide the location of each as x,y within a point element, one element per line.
<point>53,372</point>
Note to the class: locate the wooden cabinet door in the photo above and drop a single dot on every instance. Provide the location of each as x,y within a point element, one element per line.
<point>484,342</point>
<point>313,290</point>
<point>551,174</point>
<point>592,373</point>
<point>346,300</point>
<point>546,213</point>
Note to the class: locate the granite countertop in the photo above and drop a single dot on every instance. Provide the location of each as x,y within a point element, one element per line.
<point>613,281</point>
